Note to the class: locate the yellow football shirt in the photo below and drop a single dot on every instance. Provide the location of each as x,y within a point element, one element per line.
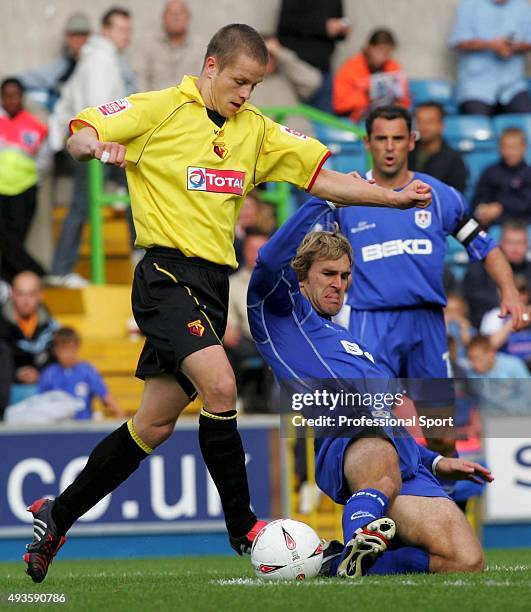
<point>187,177</point>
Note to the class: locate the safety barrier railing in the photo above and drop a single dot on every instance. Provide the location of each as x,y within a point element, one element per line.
<point>98,198</point>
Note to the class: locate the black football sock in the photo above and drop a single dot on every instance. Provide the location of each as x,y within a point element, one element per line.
<point>224,456</point>
<point>114,459</point>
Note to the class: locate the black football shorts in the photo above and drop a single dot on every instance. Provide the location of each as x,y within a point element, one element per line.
<point>180,305</point>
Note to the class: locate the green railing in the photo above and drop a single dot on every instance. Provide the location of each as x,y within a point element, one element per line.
<point>278,193</point>
<point>98,197</point>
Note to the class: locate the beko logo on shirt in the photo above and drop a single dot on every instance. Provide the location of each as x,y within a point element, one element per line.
<point>410,246</point>
<point>217,181</point>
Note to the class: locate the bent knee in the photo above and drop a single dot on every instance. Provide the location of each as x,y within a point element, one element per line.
<point>163,432</point>
<point>390,485</point>
<point>473,561</point>
<point>469,561</point>
<point>219,394</point>
<point>155,434</point>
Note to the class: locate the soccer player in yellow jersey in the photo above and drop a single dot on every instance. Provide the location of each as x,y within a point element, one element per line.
<point>191,154</point>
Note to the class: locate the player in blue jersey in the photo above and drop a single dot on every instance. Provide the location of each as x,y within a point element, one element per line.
<point>397,294</point>
<point>381,474</point>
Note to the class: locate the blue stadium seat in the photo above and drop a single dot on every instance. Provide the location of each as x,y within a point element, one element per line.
<point>348,151</point>
<point>473,136</point>
<point>476,161</point>
<point>433,90</point>
<point>522,121</point>
<point>495,232</point>
<point>456,258</point>
<point>459,129</point>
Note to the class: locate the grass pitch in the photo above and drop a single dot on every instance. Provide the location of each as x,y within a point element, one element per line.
<point>228,583</point>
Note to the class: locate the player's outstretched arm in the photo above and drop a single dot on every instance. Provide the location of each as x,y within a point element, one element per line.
<point>275,256</point>
<point>500,271</point>
<point>84,145</point>
<point>346,189</point>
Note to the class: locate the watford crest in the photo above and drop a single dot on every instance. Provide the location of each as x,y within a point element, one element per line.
<point>220,150</point>
<point>196,328</point>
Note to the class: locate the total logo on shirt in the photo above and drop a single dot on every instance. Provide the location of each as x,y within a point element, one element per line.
<point>217,181</point>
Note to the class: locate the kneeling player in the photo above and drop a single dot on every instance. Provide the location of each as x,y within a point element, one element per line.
<point>384,478</point>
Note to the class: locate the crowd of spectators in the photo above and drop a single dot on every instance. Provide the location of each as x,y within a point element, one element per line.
<point>490,37</point>
<point>37,355</point>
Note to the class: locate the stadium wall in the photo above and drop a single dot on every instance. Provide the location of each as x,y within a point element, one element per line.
<point>170,506</point>
<point>31,30</point>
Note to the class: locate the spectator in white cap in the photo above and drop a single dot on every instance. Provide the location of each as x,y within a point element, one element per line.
<point>50,77</point>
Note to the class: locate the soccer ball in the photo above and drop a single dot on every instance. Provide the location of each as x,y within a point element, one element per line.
<point>287,550</point>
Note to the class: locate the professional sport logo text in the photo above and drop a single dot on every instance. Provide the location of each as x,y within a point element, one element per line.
<point>217,181</point>
<point>115,107</point>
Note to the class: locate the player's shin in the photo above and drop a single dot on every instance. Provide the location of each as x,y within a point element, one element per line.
<point>222,450</point>
<point>113,460</point>
<point>405,560</point>
<point>363,507</point>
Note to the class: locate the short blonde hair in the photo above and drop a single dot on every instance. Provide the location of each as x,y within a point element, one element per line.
<point>320,246</point>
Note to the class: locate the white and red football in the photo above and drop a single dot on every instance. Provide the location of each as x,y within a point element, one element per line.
<point>287,550</point>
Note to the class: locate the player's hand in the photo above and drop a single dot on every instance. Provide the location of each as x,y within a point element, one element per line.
<point>273,45</point>
<point>488,212</point>
<point>416,194</point>
<point>459,469</point>
<point>355,174</point>
<point>28,375</point>
<point>511,305</point>
<point>501,46</point>
<point>111,153</point>
<point>337,27</point>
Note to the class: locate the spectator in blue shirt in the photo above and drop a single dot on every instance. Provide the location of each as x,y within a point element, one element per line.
<point>76,377</point>
<point>479,289</point>
<point>501,382</point>
<point>458,325</point>
<point>504,189</point>
<point>499,330</point>
<point>492,37</point>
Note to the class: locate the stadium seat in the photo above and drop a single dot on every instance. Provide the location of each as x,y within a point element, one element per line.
<point>522,121</point>
<point>43,97</point>
<point>476,161</point>
<point>473,136</point>
<point>456,258</point>
<point>19,393</point>
<point>460,129</point>
<point>495,232</point>
<point>433,90</point>
<point>348,151</point>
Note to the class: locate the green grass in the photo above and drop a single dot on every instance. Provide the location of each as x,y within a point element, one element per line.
<point>227,583</point>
